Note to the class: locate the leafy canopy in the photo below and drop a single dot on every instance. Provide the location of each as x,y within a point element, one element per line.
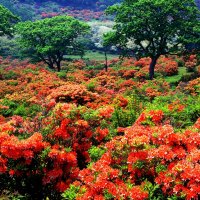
<point>52,38</point>
<point>7,19</point>
<point>155,27</point>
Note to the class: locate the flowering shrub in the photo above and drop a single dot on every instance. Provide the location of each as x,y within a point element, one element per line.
<point>72,93</point>
<point>145,156</point>
<point>191,87</point>
<point>166,66</point>
<point>97,134</point>
<point>191,63</point>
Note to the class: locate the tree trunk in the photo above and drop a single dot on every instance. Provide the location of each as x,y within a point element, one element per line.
<point>106,61</point>
<point>58,63</point>
<point>152,66</point>
<point>51,66</point>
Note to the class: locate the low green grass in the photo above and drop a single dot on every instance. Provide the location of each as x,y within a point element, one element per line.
<point>91,55</point>
<point>176,78</point>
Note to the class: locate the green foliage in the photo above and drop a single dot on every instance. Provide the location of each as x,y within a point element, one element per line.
<point>16,108</point>
<point>160,168</point>
<point>62,74</point>
<point>13,83</point>
<point>108,195</point>
<point>10,75</point>
<point>178,118</point>
<point>52,38</point>
<point>45,152</point>
<point>96,153</point>
<point>123,117</point>
<point>91,86</point>
<point>9,47</point>
<point>71,193</point>
<point>7,20</point>
<point>35,71</point>
<point>21,110</point>
<point>25,11</point>
<point>155,27</point>
<point>12,107</point>
<point>155,192</point>
<point>90,115</point>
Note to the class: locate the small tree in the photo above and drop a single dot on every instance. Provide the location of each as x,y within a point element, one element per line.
<point>156,27</point>
<point>7,19</point>
<point>52,38</point>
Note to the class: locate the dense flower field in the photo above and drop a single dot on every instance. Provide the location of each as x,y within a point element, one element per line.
<point>91,134</point>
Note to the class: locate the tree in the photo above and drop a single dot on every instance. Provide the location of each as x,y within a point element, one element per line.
<point>7,19</point>
<point>52,38</point>
<point>156,27</point>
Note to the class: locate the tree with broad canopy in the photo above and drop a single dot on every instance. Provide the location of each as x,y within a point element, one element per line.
<point>156,27</point>
<point>52,38</point>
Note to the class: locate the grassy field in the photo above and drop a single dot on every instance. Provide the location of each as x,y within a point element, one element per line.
<point>94,56</point>
<point>174,79</point>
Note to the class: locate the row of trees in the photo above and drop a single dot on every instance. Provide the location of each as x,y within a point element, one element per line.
<point>154,28</point>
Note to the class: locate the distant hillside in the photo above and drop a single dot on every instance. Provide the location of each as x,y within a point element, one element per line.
<point>82,9</point>
<point>77,3</point>
<point>37,9</point>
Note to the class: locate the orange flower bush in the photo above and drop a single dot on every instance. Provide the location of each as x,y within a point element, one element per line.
<point>191,63</point>
<point>145,156</point>
<point>72,93</point>
<point>192,87</point>
<point>98,135</point>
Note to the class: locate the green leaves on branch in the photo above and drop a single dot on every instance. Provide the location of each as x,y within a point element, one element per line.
<point>52,38</point>
<point>7,19</point>
<point>154,27</point>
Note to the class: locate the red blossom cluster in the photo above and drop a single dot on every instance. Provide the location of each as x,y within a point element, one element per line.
<point>84,14</point>
<point>72,93</point>
<point>191,63</point>
<point>21,151</point>
<point>79,112</point>
<point>165,65</point>
<point>145,154</point>
<point>192,87</point>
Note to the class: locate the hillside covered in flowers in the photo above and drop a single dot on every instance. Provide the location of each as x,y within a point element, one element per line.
<point>84,133</point>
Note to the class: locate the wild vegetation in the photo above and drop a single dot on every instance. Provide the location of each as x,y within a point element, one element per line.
<point>110,134</point>
<point>77,131</point>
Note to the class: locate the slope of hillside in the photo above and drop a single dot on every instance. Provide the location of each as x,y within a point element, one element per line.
<point>112,134</point>
<point>82,9</point>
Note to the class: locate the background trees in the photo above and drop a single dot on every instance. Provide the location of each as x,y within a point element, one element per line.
<point>52,38</point>
<point>7,20</point>
<point>156,27</point>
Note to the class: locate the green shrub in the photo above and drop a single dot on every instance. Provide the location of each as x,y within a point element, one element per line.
<point>96,153</point>
<point>35,72</point>
<point>188,77</point>
<point>34,109</point>
<point>13,83</point>
<point>21,110</point>
<point>180,63</point>
<point>12,107</point>
<point>62,74</point>
<point>71,193</point>
<point>91,86</point>
<point>178,118</point>
<point>10,75</point>
<point>15,108</point>
<point>123,117</point>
